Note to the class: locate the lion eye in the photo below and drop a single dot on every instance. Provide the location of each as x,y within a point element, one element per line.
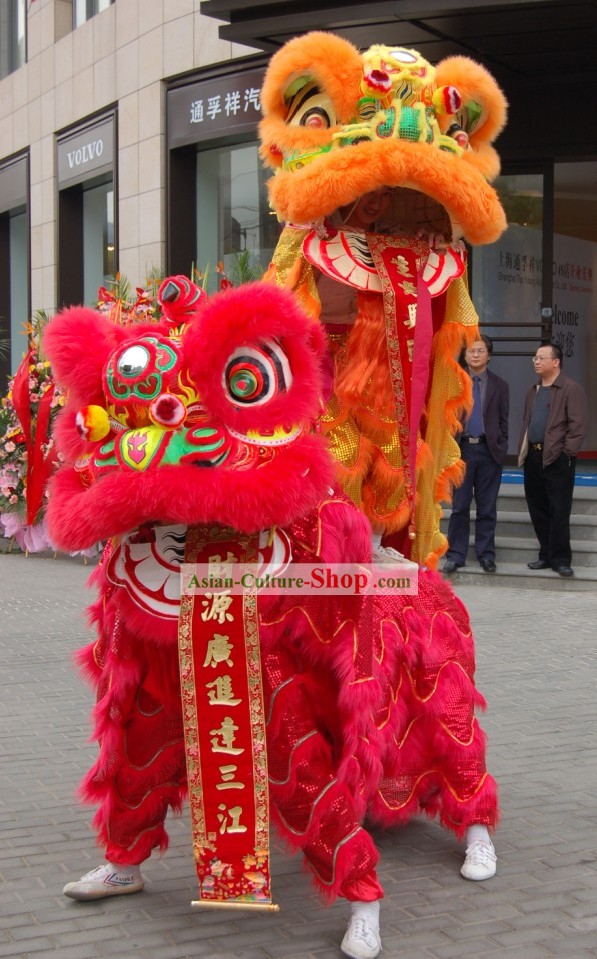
<point>310,107</point>
<point>459,135</point>
<point>255,375</point>
<point>317,118</point>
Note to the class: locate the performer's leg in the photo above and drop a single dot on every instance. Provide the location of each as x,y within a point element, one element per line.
<point>314,810</point>
<point>140,771</point>
<point>435,757</point>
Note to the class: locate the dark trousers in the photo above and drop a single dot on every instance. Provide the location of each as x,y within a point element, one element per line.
<point>548,492</point>
<point>481,480</point>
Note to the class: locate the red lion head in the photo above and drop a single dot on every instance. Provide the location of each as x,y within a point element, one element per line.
<point>204,417</point>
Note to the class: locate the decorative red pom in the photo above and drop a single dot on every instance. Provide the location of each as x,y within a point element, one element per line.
<point>378,80</point>
<point>168,410</point>
<point>447,100</point>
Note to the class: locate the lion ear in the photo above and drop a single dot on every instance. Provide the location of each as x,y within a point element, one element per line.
<point>315,64</point>
<point>484,107</point>
<point>78,342</point>
<point>483,112</point>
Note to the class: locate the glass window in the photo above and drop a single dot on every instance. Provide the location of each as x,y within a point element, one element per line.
<point>84,10</point>
<point>235,226</point>
<point>507,288</point>
<point>98,240</point>
<point>14,263</point>
<point>19,287</point>
<point>507,275</point>
<point>13,35</point>
<point>573,271</point>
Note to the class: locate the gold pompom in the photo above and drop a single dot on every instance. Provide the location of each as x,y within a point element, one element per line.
<point>92,423</point>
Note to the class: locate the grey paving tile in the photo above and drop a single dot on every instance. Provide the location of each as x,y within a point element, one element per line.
<point>537,667</point>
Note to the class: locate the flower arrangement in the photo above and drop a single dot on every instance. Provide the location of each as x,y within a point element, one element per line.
<point>27,412</point>
<point>28,409</point>
<point>125,306</point>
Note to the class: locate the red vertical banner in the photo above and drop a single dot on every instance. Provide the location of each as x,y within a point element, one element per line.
<point>224,723</point>
<point>398,267</point>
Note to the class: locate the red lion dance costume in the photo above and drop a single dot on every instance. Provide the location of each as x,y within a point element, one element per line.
<point>201,427</point>
<point>199,437</point>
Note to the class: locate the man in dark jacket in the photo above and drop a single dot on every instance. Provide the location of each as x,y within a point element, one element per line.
<point>484,447</point>
<point>553,428</point>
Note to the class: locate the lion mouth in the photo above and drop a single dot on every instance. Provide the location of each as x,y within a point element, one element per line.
<point>410,213</point>
<point>414,213</point>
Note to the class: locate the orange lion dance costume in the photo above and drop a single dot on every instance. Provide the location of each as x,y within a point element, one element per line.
<point>389,284</point>
<point>199,439</point>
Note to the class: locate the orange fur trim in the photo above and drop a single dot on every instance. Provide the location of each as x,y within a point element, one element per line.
<point>332,61</point>
<point>271,274</point>
<point>340,177</point>
<point>382,519</point>
<point>293,275</point>
<point>367,355</point>
<point>447,345</point>
<point>452,476</point>
<point>484,159</point>
<point>474,82</point>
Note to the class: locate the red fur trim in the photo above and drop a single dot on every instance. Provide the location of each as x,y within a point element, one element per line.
<point>251,500</point>
<point>345,534</point>
<point>139,772</point>
<point>66,437</point>
<point>241,316</point>
<point>78,342</point>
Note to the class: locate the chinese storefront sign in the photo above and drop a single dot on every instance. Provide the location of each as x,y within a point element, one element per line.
<point>228,105</point>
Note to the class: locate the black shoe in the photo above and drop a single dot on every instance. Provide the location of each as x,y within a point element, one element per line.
<point>487,565</point>
<point>538,564</point>
<point>563,570</point>
<point>450,566</point>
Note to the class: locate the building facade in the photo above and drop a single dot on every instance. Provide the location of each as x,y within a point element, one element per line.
<point>128,144</point>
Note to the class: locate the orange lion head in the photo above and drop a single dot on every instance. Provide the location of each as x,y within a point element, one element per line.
<point>338,124</point>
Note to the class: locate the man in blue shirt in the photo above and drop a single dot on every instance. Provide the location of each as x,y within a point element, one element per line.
<point>484,447</point>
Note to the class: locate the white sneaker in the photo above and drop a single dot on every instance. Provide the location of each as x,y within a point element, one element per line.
<point>387,554</point>
<point>361,939</point>
<point>105,880</point>
<point>480,861</point>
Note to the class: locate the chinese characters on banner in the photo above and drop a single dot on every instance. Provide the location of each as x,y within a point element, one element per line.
<point>224,725</point>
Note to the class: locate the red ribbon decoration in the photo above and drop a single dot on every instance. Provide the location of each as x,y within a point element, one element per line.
<point>39,466</point>
<point>224,725</point>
